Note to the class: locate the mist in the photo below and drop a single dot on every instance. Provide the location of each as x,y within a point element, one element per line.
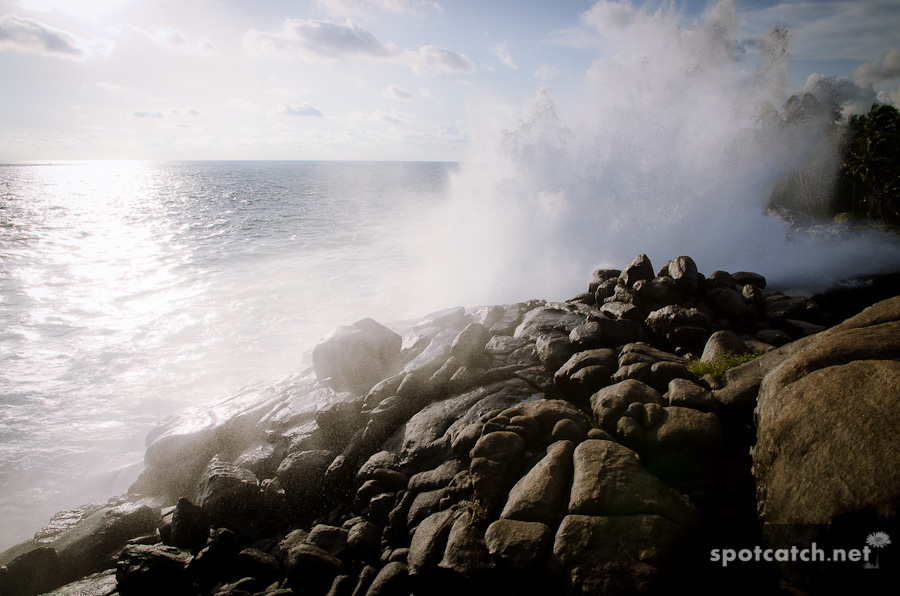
<point>679,139</point>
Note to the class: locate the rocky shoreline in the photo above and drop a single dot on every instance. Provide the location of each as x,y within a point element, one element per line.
<point>532,448</point>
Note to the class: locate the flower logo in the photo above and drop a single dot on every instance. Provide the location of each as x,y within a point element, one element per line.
<point>877,540</point>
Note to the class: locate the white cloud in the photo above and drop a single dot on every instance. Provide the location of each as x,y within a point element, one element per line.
<point>327,41</point>
<point>391,117</point>
<point>152,114</point>
<point>171,39</point>
<point>397,92</point>
<point>501,50</point>
<point>303,109</point>
<point>546,72</point>
<point>242,104</point>
<point>112,87</point>
<point>831,29</point>
<point>425,93</point>
<point>885,69</point>
<point>346,8</point>
<point>30,36</point>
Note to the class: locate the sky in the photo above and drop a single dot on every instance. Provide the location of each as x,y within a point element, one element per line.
<point>351,79</point>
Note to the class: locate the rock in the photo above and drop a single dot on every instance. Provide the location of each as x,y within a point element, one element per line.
<point>639,268</point>
<point>148,570</point>
<point>542,494</point>
<point>680,326</point>
<point>448,318</point>
<point>547,413</point>
<point>218,559</point>
<point>552,317</point>
<point>424,504</point>
<point>96,584</point>
<point>728,303</point>
<point>684,271</point>
<point>801,328</point>
<point>622,310</point>
<point>684,430</point>
<point>774,337</point>
<point>605,357</point>
<point>31,573</point>
<point>721,343</point>
<point>639,371</point>
<point>468,346</point>
<point>587,381</point>
<point>779,307</point>
<point>720,279</point>
<point>553,349</point>
<point>656,293</point>
<point>610,403</point>
<point>827,424</point>
<point>509,320</point>
<point>90,544</point>
<point>687,394</point>
<point>495,463</point>
<point>331,539</point>
<point>605,333</point>
<point>190,526</point>
<point>663,373</point>
<point>746,277</point>
<point>301,474</point>
<point>614,555</point>
<point>567,430</point>
<point>262,567</point>
<point>518,545</point>
<point>356,357</point>
<point>392,580</point>
<point>426,549</point>
<point>437,478</point>
<point>466,552</point>
<point>364,541</point>
<point>311,569</point>
<point>609,480</point>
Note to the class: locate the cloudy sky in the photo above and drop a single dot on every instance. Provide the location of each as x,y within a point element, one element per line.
<point>348,79</point>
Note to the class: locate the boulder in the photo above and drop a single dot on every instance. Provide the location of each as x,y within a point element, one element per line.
<point>310,569</point>
<point>610,403</point>
<point>828,421</point>
<point>621,555</point>
<point>542,494</point>
<point>448,318</point>
<point>466,552</point>
<point>610,480</point>
<point>638,269</point>
<point>392,580</point>
<point>779,307</point>
<point>722,343</point>
<point>747,277</point>
<point>678,326</point>
<point>228,494</point>
<point>518,545</point>
<point>355,357</point>
<point>190,526</point>
<point>148,570</point>
<point>684,271</point>
<point>301,474</point>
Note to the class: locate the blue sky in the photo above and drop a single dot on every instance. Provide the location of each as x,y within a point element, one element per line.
<point>353,79</point>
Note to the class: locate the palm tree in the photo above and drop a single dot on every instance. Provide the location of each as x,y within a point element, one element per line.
<point>873,160</point>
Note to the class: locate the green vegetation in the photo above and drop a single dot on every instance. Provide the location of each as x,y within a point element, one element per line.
<point>870,172</point>
<point>722,364</point>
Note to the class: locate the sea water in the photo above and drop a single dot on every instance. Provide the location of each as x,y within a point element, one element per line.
<point>129,290</point>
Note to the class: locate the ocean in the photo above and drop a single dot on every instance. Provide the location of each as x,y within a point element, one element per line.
<point>129,290</point>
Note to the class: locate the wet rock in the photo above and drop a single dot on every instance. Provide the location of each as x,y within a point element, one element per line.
<point>610,480</point>
<point>622,310</point>
<point>779,307</point>
<point>684,271</point>
<point>364,541</point>
<point>148,570</point>
<point>663,373</point>
<point>466,552</point>
<point>355,357</point>
<point>614,555</point>
<point>34,572</point>
<point>518,545</point>
<point>331,539</point>
<point>542,494</point>
<point>495,462</point>
<point>392,580</point>
<point>638,269</point>
<point>680,326</point>
<point>687,394</point>
<point>190,526</point>
<point>426,549</point>
<point>448,318</point>
<point>722,343</point>
<point>610,403</point>
<point>552,317</point>
<point>311,569</point>
<point>301,474</point>
<point>775,337</point>
<point>553,349</point>
<point>728,303</point>
<point>605,333</point>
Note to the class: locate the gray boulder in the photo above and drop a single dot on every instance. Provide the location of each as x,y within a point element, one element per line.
<point>518,545</point>
<point>542,494</point>
<point>355,357</point>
